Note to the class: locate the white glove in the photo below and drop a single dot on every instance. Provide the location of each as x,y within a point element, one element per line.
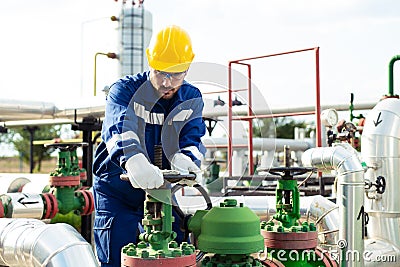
<point>184,164</point>
<point>143,174</point>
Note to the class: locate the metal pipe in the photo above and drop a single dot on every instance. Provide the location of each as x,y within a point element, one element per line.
<point>276,111</point>
<point>317,100</point>
<point>391,63</point>
<point>23,205</point>
<point>250,122</point>
<point>230,148</point>
<point>270,144</point>
<point>325,214</point>
<point>22,113</point>
<point>350,194</point>
<point>32,243</point>
<point>109,55</point>
<point>13,182</point>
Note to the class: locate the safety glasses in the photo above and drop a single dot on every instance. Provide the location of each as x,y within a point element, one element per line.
<point>169,75</point>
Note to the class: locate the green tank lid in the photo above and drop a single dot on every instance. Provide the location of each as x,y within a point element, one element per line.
<point>230,229</point>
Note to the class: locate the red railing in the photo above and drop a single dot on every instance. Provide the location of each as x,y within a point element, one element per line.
<point>250,116</point>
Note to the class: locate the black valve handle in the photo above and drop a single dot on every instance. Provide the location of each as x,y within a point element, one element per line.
<point>174,178</point>
<point>169,177</point>
<point>380,184</point>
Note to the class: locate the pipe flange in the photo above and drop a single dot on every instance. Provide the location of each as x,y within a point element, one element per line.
<point>272,263</point>
<point>89,202</point>
<point>288,240</point>
<point>326,257</point>
<point>64,180</point>
<point>2,214</point>
<point>184,260</point>
<point>83,176</point>
<point>51,206</point>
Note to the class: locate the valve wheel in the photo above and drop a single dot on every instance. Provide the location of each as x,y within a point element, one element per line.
<point>51,205</point>
<point>286,172</point>
<point>380,184</point>
<point>67,146</point>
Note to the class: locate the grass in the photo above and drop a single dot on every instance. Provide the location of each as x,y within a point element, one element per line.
<point>14,165</point>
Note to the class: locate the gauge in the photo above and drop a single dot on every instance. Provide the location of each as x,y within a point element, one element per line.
<point>329,117</point>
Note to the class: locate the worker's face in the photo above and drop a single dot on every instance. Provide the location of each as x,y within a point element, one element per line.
<point>166,83</point>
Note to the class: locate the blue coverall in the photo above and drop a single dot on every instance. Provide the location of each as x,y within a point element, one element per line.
<point>136,120</point>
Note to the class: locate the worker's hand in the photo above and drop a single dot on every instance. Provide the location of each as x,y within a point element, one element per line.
<point>143,174</point>
<point>184,164</point>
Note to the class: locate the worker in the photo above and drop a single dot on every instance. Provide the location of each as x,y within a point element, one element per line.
<point>143,111</point>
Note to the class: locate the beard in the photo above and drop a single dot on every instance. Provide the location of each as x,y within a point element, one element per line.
<point>167,92</point>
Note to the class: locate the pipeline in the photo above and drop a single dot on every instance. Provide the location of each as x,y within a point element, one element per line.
<point>325,214</point>
<point>32,243</point>
<point>350,194</point>
<point>391,63</point>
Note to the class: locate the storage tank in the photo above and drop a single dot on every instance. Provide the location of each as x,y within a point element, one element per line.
<point>380,150</point>
<point>135,30</point>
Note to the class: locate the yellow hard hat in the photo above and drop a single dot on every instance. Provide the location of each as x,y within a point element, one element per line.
<point>171,50</point>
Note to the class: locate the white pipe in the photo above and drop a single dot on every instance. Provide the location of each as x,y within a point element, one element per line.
<point>32,243</point>
<point>217,111</point>
<point>350,194</point>
<point>18,112</point>
<point>325,214</point>
<point>269,144</point>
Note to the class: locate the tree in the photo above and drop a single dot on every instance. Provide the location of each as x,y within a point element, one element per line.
<point>264,128</point>
<point>283,127</point>
<point>20,138</point>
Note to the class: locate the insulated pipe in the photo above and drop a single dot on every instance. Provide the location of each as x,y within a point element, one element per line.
<point>391,63</point>
<point>350,195</point>
<point>325,214</point>
<point>23,205</point>
<point>31,243</point>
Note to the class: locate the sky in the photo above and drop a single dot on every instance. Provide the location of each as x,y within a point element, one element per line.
<point>48,46</point>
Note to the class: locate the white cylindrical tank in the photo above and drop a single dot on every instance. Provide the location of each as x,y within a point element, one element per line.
<point>135,30</point>
<point>380,150</point>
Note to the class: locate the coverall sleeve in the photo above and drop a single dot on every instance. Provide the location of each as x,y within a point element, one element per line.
<point>185,124</point>
<point>121,130</point>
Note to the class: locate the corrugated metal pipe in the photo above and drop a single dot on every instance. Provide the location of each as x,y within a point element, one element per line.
<point>29,242</point>
<point>350,195</point>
